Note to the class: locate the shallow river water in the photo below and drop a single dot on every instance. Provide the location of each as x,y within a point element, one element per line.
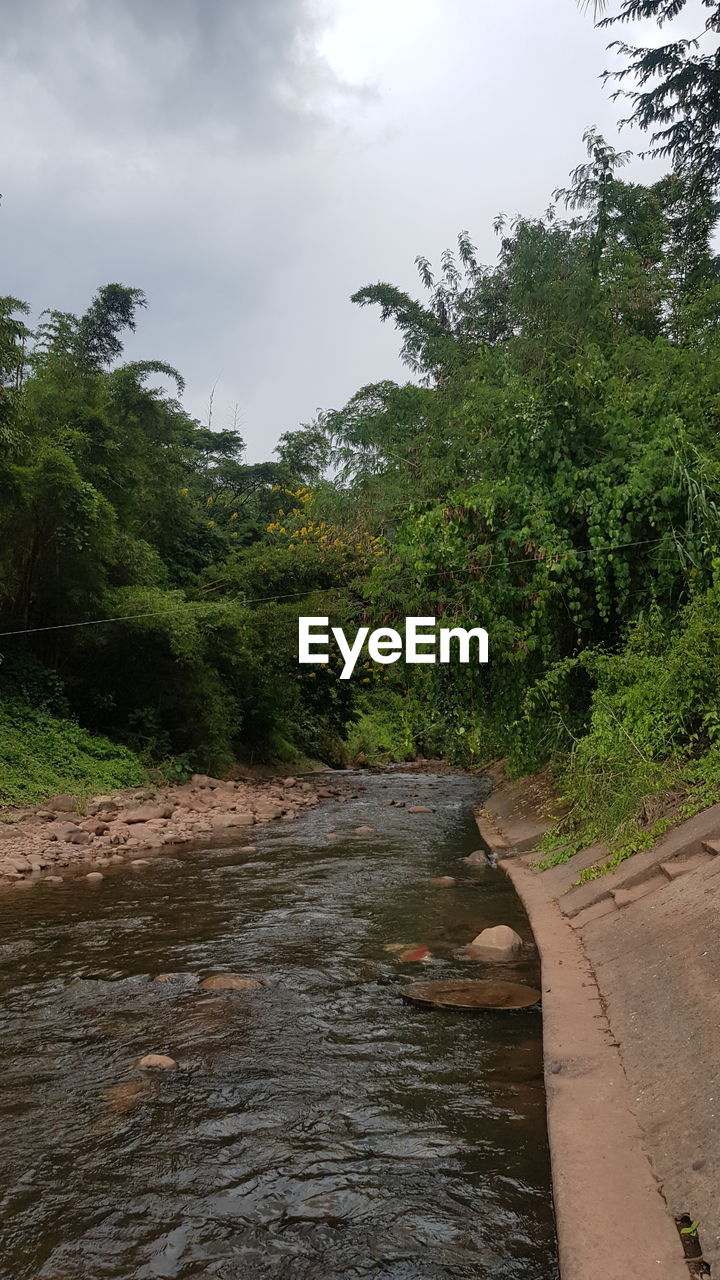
<point>319,1127</point>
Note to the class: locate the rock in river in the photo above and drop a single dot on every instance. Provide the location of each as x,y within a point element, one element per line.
<point>416,955</point>
<point>478,858</point>
<point>500,943</point>
<point>230,982</point>
<point>161,1061</point>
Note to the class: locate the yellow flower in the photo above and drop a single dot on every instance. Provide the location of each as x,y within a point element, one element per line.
<point>211,524</point>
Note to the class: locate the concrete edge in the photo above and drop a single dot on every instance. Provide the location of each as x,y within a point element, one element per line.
<point>612,1221</point>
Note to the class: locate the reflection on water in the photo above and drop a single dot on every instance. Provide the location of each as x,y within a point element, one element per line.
<point>317,1127</point>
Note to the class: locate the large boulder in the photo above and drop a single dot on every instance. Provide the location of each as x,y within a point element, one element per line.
<point>102,804</point>
<point>68,833</point>
<point>499,943</point>
<point>227,821</point>
<point>267,812</point>
<point>62,804</point>
<point>147,812</point>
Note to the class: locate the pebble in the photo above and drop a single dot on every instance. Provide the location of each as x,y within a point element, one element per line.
<point>159,1060</point>
<point>94,876</point>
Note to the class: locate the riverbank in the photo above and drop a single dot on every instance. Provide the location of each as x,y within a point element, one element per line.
<point>69,835</point>
<point>631,1010</point>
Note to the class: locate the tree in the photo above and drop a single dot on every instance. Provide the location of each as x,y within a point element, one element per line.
<point>677,98</point>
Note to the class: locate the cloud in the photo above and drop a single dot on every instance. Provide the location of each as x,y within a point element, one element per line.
<point>211,153</point>
<point>241,71</point>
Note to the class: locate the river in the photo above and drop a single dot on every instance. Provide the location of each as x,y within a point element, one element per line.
<point>315,1128</point>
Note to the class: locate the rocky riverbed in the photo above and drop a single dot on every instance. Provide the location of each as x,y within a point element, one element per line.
<point>211,1067</point>
<point>69,836</point>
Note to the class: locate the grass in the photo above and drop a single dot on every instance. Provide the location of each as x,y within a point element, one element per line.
<point>42,755</point>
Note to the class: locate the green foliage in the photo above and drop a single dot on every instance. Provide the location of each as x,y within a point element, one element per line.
<point>385,729</point>
<point>41,755</point>
<point>676,98</point>
<point>651,750</point>
<point>552,474</point>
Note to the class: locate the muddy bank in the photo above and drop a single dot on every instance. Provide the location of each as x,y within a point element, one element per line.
<point>631,1009</point>
<point>67,835</point>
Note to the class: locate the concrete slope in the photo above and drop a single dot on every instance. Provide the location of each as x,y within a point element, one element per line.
<point>646,955</point>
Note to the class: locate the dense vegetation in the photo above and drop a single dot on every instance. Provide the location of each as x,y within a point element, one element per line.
<point>551,471</point>
<point>115,505</point>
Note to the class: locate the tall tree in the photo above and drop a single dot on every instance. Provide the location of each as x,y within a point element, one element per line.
<point>677,95</point>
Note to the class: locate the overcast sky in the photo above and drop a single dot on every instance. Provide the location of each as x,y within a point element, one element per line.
<point>250,163</point>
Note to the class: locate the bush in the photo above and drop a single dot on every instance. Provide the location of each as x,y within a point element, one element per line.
<point>652,746</point>
<point>41,755</point>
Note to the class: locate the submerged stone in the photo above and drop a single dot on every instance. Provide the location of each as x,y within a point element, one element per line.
<point>230,982</point>
<point>123,1097</point>
<point>478,858</point>
<point>460,994</point>
<point>416,954</point>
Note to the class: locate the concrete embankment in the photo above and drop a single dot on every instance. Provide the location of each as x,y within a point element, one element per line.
<point>631,1018</point>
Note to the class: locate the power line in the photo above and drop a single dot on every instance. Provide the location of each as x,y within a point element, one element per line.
<point>295,595</point>
<point>154,613</point>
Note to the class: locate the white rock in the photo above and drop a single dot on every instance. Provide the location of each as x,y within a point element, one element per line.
<point>500,943</point>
